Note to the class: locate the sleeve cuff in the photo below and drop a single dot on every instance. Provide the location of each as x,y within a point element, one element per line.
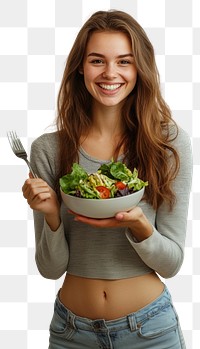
<point>140,244</point>
<point>56,232</point>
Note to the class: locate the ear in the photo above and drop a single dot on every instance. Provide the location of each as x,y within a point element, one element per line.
<point>80,70</point>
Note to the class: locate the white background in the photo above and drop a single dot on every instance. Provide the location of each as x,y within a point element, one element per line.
<point>35,38</point>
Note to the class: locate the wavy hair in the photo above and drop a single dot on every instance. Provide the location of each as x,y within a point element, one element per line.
<point>149,127</point>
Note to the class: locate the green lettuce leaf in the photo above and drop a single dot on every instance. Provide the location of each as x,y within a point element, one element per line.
<point>70,181</point>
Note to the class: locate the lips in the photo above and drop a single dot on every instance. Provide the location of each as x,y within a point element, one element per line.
<point>108,87</point>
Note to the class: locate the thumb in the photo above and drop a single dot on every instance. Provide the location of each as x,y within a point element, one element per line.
<point>30,175</point>
<point>122,216</point>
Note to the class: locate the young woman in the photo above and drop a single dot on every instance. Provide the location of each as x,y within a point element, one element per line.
<point>110,106</point>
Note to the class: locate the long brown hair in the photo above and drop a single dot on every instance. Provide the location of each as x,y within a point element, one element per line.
<point>147,138</point>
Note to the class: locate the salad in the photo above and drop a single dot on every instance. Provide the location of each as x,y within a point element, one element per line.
<point>110,181</point>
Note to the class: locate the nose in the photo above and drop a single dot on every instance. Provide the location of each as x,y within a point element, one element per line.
<point>109,72</point>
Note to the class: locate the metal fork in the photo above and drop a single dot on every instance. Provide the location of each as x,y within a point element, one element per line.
<point>19,150</point>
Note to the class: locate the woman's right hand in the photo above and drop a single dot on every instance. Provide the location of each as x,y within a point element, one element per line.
<point>41,197</point>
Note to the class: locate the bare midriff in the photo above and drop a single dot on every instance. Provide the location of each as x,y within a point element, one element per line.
<point>109,299</point>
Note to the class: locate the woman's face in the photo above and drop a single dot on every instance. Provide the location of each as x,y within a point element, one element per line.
<point>108,67</point>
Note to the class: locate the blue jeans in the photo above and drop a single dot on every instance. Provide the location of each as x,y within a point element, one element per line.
<point>156,326</point>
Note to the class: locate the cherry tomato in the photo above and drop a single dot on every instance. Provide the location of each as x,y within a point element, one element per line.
<point>104,192</point>
<point>120,185</point>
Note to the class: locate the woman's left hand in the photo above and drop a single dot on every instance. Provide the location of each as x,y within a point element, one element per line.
<point>135,220</point>
<point>121,219</point>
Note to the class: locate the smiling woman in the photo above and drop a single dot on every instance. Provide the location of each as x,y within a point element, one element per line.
<point>110,107</point>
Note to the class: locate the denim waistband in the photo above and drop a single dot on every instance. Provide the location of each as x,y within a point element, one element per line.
<point>131,321</point>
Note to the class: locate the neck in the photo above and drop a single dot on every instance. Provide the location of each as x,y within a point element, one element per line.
<point>107,120</point>
<point>105,133</point>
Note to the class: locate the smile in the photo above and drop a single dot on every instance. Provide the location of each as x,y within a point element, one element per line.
<point>110,87</point>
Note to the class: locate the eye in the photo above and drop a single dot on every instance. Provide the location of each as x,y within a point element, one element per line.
<point>97,61</point>
<point>124,62</point>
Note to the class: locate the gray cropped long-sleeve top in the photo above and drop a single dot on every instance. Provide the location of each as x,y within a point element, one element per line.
<point>111,253</point>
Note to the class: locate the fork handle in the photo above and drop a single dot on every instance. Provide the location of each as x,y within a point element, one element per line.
<point>31,170</point>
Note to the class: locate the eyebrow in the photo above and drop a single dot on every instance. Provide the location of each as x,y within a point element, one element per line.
<point>100,55</point>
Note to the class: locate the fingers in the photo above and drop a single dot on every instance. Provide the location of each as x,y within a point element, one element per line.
<point>38,196</point>
<point>35,191</point>
<point>33,183</point>
<point>132,215</point>
<point>121,219</point>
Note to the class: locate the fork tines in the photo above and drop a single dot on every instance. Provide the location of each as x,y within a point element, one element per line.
<point>18,149</point>
<point>14,141</point>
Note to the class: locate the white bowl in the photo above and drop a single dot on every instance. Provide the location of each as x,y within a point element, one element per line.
<point>101,208</point>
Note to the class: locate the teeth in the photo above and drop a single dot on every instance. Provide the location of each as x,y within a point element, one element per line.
<point>110,87</point>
